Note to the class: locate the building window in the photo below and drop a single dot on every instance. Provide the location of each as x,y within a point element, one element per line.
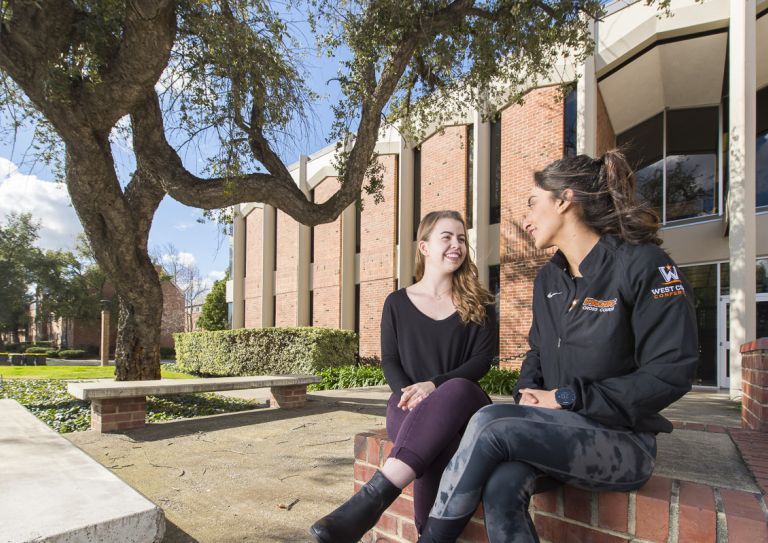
<point>311,307</point>
<point>245,246</point>
<point>229,315</point>
<point>703,280</point>
<point>674,155</point>
<point>761,157</point>
<point>358,223</point>
<point>469,174</point>
<point>312,234</point>
<point>494,285</point>
<point>495,201</point>
<point>277,239</point>
<point>357,308</point>
<point>569,124</point>
<point>274,310</point>
<point>416,191</point>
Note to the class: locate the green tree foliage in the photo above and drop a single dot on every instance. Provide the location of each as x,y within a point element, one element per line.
<point>214,312</point>
<point>18,260</point>
<point>226,72</point>
<point>61,284</point>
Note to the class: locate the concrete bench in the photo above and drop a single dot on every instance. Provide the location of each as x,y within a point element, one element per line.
<point>122,405</point>
<point>52,491</point>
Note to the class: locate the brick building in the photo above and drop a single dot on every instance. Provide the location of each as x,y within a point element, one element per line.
<point>687,94</point>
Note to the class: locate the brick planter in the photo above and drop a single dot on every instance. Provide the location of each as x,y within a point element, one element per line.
<point>754,385</point>
<point>112,415</point>
<point>663,510</point>
<point>288,397</point>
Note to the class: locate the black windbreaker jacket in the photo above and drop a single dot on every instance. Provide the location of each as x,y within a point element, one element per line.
<point>626,342</point>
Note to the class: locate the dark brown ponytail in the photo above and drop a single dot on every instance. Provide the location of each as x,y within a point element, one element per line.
<point>604,189</point>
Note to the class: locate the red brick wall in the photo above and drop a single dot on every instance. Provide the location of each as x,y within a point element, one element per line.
<point>173,313</point>
<point>754,385</point>
<point>606,137</point>
<point>286,278</point>
<point>444,171</point>
<point>326,274</point>
<point>531,137</point>
<point>253,246</point>
<point>378,274</point>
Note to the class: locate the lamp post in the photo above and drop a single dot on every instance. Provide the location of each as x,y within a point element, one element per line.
<point>105,332</point>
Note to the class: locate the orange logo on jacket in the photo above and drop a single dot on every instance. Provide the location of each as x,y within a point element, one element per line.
<point>603,306</point>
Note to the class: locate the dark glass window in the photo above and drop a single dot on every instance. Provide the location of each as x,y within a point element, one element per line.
<point>469,176</point>
<point>644,148</point>
<point>277,240</point>
<point>495,212</point>
<point>703,279</point>
<point>311,307</point>
<point>761,158</point>
<point>357,308</point>
<point>312,234</point>
<point>569,124</point>
<point>358,224</point>
<point>416,191</point>
<point>494,285</point>
<point>691,162</point>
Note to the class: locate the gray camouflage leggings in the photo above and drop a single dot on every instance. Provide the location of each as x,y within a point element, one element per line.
<point>509,450</point>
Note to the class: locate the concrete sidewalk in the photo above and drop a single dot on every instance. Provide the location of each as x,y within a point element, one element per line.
<point>266,475</point>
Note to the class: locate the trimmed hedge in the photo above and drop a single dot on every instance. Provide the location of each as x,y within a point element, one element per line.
<point>72,353</point>
<point>264,351</point>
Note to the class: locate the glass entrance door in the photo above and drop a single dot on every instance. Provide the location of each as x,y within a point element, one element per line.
<point>724,344</point>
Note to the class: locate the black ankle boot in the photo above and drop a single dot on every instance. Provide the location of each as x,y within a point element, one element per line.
<point>358,514</point>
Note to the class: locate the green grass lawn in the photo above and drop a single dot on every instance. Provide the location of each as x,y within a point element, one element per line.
<point>73,372</point>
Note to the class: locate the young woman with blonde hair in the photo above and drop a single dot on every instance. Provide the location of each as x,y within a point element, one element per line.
<point>437,341</point>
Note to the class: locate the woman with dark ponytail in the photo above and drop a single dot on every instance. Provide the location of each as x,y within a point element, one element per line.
<point>612,343</point>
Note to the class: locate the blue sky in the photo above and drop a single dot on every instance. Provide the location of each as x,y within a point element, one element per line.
<point>29,186</point>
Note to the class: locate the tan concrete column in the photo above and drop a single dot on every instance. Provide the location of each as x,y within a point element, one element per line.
<point>586,103</point>
<point>742,47</point>
<point>348,252</point>
<point>405,254</point>
<point>302,294</point>
<point>238,269</point>
<point>268,267</point>
<point>481,195</point>
<point>105,332</point>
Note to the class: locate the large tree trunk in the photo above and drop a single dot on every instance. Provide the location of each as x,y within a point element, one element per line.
<point>117,225</point>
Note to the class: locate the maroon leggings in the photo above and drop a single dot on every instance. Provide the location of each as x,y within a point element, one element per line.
<point>426,438</point>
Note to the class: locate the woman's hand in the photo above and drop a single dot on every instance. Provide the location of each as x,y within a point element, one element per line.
<point>414,394</point>
<point>539,398</point>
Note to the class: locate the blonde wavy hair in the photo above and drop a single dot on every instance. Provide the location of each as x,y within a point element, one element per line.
<point>469,296</point>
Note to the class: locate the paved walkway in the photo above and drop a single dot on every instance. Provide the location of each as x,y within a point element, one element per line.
<point>266,475</point>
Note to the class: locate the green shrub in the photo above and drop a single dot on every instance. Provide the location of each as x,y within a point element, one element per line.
<point>72,353</point>
<point>349,377</point>
<point>52,353</point>
<point>264,351</point>
<point>499,381</point>
<point>496,381</point>
<point>46,344</point>
<point>12,347</point>
<point>36,350</point>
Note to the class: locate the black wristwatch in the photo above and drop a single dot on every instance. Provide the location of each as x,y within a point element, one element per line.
<point>565,397</point>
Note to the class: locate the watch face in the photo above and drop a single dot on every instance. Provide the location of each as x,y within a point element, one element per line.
<point>565,397</point>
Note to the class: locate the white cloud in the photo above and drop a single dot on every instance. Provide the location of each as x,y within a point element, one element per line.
<point>47,201</point>
<point>183,226</point>
<point>185,259</point>
<point>216,275</point>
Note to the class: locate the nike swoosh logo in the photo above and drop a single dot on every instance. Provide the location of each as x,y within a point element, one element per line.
<point>551,294</point>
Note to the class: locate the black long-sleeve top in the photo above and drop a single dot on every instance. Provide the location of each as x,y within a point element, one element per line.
<point>623,337</point>
<point>417,348</point>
